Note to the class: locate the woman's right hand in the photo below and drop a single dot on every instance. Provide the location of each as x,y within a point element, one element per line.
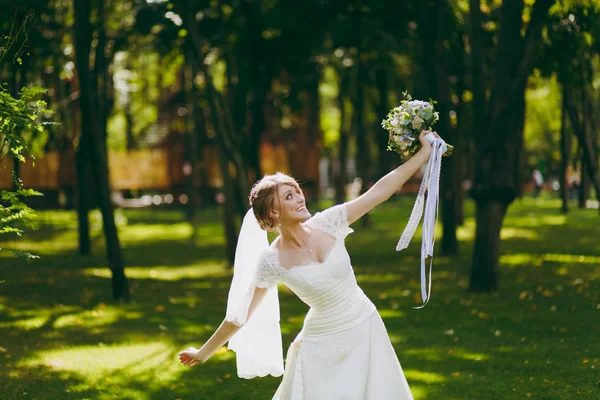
<point>426,144</point>
<point>191,356</point>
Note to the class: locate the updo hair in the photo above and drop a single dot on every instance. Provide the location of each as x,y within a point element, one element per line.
<point>263,195</point>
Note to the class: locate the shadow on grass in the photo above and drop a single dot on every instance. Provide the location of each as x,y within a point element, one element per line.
<point>60,331</point>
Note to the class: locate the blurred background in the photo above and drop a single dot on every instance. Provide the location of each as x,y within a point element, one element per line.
<point>135,130</point>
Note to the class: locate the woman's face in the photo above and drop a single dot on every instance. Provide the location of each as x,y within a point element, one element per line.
<point>290,207</point>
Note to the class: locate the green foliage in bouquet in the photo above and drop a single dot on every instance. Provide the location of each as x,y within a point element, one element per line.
<point>405,123</point>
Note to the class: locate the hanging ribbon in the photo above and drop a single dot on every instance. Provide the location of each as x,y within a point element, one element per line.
<point>431,183</point>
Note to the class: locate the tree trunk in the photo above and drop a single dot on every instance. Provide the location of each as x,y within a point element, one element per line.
<point>584,192</point>
<point>94,119</point>
<point>228,210</point>
<point>82,165</point>
<point>259,82</point>
<point>340,176</point>
<point>14,90</point>
<point>448,188</point>
<point>383,107</point>
<point>486,251</point>
<point>585,143</point>
<point>192,136</point>
<point>584,181</point>
<point>500,140</point>
<point>224,127</point>
<point>564,155</point>
<point>362,146</point>
<point>131,142</point>
<point>461,168</point>
<point>477,75</point>
<point>219,109</point>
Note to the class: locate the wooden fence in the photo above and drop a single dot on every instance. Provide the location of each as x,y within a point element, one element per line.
<point>153,169</point>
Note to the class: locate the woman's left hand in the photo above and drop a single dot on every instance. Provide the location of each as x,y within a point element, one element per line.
<point>191,356</point>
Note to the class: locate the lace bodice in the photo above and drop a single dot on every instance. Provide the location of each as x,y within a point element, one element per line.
<point>333,221</point>
<point>328,287</point>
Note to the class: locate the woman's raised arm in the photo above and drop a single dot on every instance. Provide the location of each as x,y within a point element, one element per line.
<point>385,187</point>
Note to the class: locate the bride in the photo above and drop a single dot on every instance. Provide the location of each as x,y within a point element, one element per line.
<point>343,350</point>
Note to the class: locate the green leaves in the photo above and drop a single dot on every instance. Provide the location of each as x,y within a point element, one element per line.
<point>18,115</point>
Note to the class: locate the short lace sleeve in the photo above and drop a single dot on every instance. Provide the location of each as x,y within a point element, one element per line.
<point>333,221</point>
<point>267,273</point>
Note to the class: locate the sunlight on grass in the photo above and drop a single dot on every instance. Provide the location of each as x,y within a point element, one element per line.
<point>572,258</point>
<point>26,323</point>
<point>132,368</point>
<point>378,278</point>
<point>34,319</point>
<point>466,232</point>
<point>102,358</point>
<point>386,313</point>
<point>164,273</point>
<point>535,260</point>
<point>518,233</point>
<point>430,354</point>
<point>536,220</point>
<point>95,318</point>
<point>56,311</point>
<point>144,233</point>
<point>66,240</point>
<point>422,376</point>
<point>418,391</point>
<point>461,353</point>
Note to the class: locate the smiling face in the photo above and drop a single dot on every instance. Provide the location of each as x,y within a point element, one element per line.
<point>290,205</point>
<point>278,196</point>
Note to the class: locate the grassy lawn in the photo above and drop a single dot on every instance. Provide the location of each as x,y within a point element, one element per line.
<point>61,336</point>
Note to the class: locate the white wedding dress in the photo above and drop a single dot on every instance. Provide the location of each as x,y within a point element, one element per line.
<point>343,350</point>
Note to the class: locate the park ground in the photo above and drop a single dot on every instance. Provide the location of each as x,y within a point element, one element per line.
<point>62,337</point>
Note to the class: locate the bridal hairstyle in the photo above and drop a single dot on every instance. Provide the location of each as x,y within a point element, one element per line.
<point>263,194</point>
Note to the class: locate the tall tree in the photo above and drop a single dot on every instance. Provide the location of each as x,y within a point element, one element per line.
<point>363,153</point>
<point>499,127</point>
<point>564,155</point>
<point>221,118</point>
<point>443,31</point>
<point>341,176</point>
<point>93,134</point>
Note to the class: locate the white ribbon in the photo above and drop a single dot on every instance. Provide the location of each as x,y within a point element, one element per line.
<point>431,182</point>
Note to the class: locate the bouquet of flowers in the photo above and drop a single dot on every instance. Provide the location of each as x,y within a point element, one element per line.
<point>405,122</point>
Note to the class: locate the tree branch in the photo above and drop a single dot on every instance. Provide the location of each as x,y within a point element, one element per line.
<point>538,17</point>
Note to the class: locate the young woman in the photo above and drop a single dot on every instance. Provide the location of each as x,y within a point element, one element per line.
<point>343,350</point>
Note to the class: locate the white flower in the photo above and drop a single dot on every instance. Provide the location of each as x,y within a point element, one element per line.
<point>398,139</point>
<point>406,139</point>
<point>394,122</point>
<point>417,122</point>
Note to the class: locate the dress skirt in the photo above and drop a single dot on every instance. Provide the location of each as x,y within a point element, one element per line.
<point>358,363</point>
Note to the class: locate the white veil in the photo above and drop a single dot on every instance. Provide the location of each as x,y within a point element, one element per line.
<point>257,344</point>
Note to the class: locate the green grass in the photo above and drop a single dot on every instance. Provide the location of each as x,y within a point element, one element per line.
<point>61,336</point>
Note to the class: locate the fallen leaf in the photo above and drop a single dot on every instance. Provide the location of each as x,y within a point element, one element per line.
<point>523,294</point>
